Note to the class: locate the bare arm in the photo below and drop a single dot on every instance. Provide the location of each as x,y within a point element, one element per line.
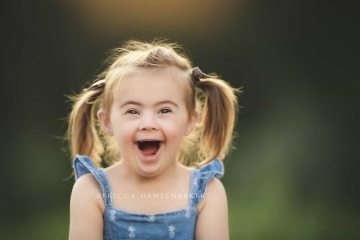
<point>86,221</point>
<point>212,222</point>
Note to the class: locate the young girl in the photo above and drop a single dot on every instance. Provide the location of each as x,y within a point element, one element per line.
<point>163,128</point>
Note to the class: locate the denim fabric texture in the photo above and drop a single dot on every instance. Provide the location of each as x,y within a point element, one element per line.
<point>180,224</point>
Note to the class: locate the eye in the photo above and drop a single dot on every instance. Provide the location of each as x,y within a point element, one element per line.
<point>165,110</point>
<point>132,111</point>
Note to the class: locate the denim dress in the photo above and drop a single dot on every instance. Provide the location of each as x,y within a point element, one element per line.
<point>180,224</point>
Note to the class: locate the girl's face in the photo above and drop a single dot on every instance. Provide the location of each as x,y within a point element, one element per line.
<point>148,119</point>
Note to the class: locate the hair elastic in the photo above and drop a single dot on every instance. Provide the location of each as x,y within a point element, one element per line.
<point>197,74</point>
<point>96,85</point>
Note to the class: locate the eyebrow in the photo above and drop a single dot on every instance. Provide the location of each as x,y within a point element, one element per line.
<point>156,104</point>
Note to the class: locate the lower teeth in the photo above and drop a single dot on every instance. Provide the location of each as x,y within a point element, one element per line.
<point>149,155</point>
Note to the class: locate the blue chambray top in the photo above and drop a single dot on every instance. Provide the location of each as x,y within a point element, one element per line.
<point>180,224</point>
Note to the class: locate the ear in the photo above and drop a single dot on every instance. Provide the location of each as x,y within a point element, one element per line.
<point>192,121</point>
<point>104,122</point>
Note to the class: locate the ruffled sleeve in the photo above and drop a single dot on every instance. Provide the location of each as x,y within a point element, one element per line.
<point>213,168</point>
<point>202,176</point>
<point>82,164</point>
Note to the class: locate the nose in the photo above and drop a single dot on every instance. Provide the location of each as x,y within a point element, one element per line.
<point>148,122</point>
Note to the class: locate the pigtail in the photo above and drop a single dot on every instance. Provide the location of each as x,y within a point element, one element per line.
<point>218,118</point>
<point>82,135</point>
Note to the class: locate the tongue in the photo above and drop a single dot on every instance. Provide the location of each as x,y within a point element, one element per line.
<point>149,150</point>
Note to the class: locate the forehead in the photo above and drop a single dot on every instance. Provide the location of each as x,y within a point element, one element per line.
<point>150,86</point>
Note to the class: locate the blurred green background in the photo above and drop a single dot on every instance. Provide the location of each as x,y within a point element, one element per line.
<point>295,171</point>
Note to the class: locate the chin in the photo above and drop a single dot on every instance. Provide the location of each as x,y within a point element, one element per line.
<point>149,171</point>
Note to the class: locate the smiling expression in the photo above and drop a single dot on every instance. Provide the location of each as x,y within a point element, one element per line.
<point>149,119</point>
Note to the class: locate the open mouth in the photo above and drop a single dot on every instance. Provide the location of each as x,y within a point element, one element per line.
<point>148,148</point>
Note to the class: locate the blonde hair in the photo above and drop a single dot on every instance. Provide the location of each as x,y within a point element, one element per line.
<point>213,98</point>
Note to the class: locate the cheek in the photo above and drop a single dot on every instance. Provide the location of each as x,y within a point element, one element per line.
<point>175,130</point>
<point>123,132</point>
<point>124,140</point>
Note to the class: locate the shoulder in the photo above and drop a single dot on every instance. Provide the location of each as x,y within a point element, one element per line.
<point>214,193</point>
<point>86,209</point>
<point>212,221</point>
<point>215,186</point>
<point>86,181</point>
<point>87,189</point>
<point>208,179</point>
